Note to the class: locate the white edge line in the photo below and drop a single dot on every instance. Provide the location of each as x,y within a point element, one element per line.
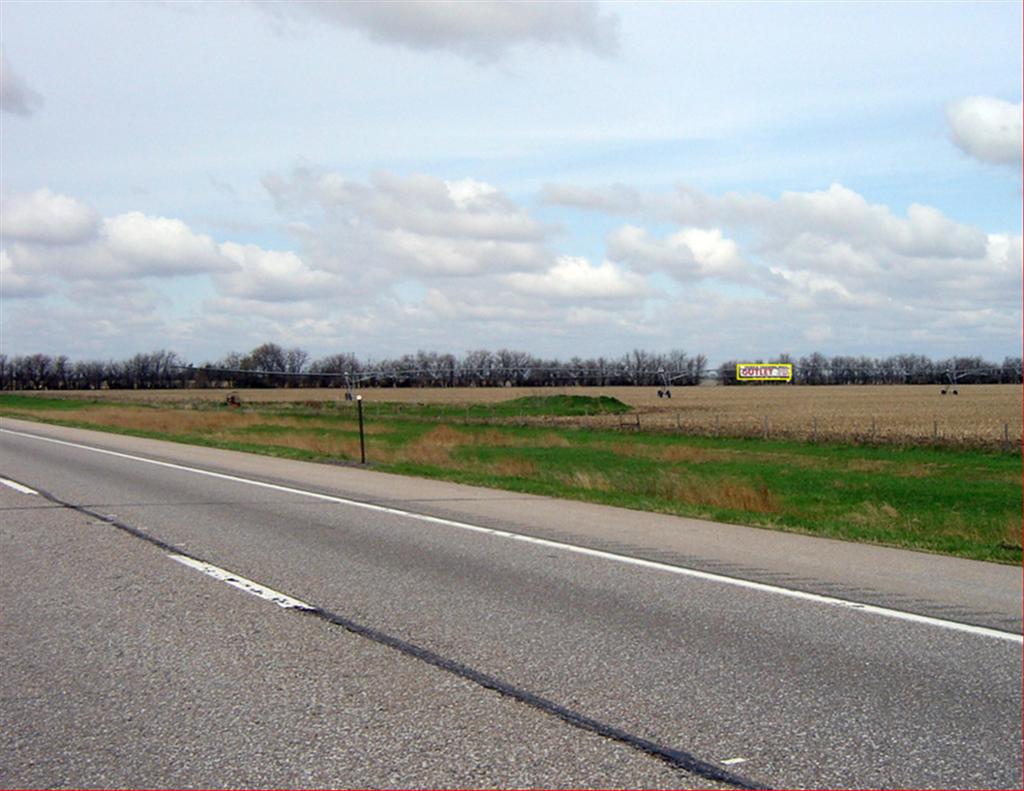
<point>982,631</point>
<point>17,486</point>
<point>240,582</point>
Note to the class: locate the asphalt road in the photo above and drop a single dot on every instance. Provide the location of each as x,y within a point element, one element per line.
<point>432,645</point>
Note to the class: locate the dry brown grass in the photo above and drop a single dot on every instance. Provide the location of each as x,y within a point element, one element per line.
<point>498,439</point>
<point>512,468</point>
<point>167,421</point>
<point>587,480</point>
<point>678,487</point>
<point>189,421</point>
<point>330,446</point>
<point>223,426</point>
<point>669,453</point>
<point>435,448</point>
<point>720,493</point>
<point>1013,537</point>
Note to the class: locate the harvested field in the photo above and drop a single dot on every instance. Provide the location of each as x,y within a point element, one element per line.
<point>979,416</point>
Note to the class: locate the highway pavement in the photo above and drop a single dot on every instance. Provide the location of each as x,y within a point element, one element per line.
<point>180,617</point>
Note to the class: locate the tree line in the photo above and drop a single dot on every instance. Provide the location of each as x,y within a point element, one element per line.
<point>270,365</point>
<point>817,369</point>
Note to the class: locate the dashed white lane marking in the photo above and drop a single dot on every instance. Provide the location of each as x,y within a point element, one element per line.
<point>240,582</point>
<point>831,601</point>
<point>731,761</point>
<point>17,486</point>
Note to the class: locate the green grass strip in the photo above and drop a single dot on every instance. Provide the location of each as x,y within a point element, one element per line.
<point>959,502</point>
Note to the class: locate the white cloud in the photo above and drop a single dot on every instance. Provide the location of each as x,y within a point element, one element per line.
<point>465,209</point>
<point>590,317</point>
<point>428,254</point>
<point>478,305</point>
<point>59,236</point>
<point>16,285</point>
<point>828,261</point>
<point>812,290</point>
<point>578,279</point>
<point>468,193</point>
<point>142,246</point>
<point>410,225</point>
<point>483,30</point>
<point>987,129</point>
<point>841,214</point>
<point>15,94</point>
<point>837,214</point>
<point>47,218</point>
<point>273,276</point>
<point>802,268</point>
<point>689,254</point>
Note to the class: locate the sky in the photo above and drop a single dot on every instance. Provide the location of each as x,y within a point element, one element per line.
<point>567,179</point>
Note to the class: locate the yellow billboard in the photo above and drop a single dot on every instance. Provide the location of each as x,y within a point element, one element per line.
<point>764,372</point>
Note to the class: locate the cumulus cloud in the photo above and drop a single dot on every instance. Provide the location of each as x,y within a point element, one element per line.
<point>16,96</point>
<point>818,256</point>
<point>840,214</point>
<point>15,284</point>
<point>413,225</point>
<point>273,276</point>
<point>578,279</point>
<point>417,261</point>
<point>476,257</point>
<point>837,214</point>
<point>503,317</point>
<point>56,235</point>
<point>689,254</point>
<point>809,289</point>
<point>826,259</point>
<point>479,305</point>
<point>482,31</point>
<point>47,218</point>
<point>987,129</point>
<point>466,209</point>
<point>432,254</point>
<point>147,246</point>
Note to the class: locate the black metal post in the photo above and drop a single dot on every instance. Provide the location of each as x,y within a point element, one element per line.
<point>362,440</point>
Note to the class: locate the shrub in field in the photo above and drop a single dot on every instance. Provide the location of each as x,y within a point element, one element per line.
<point>564,406</point>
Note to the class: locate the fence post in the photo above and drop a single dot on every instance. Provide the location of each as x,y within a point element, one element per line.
<point>362,436</point>
<point>814,430</point>
<point>718,425</point>
<point>766,426</point>
<point>935,428</point>
<point>1006,436</point>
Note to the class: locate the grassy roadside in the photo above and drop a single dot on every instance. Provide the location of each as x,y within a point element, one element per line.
<point>951,501</point>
